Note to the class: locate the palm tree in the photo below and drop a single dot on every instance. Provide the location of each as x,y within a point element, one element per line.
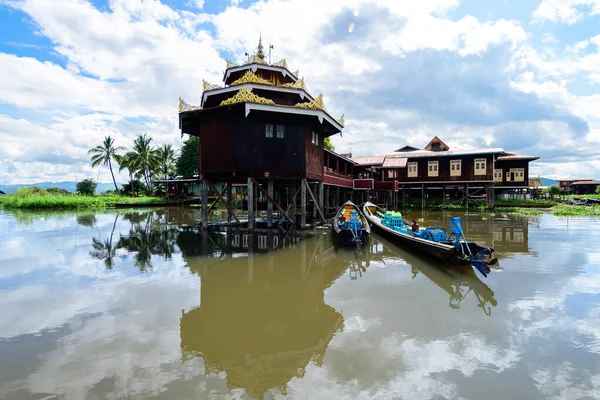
<point>143,159</point>
<point>166,159</point>
<point>104,153</point>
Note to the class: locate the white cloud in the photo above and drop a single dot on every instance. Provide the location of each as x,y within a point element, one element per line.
<point>405,73</point>
<point>568,11</point>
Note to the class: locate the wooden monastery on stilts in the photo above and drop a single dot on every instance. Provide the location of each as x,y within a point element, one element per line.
<point>264,131</point>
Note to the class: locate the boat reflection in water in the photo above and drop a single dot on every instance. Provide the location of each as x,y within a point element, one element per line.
<point>457,281</point>
<point>262,318</point>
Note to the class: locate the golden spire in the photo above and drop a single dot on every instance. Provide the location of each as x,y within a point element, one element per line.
<point>260,53</point>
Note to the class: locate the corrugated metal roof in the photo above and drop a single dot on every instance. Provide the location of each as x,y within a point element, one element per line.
<point>590,182</point>
<point>450,153</point>
<point>369,160</point>
<point>517,157</point>
<point>395,162</point>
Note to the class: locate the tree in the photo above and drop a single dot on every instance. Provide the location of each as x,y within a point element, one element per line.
<point>166,160</point>
<point>598,189</point>
<point>327,144</point>
<point>104,153</point>
<point>143,159</point>
<point>86,187</point>
<point>552,190</point>
<point>188,163</point>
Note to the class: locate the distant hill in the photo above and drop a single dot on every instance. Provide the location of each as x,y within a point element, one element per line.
<point>68,186</point>
<point>548,182</point>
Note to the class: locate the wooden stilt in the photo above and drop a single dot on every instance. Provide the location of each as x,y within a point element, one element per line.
<point>444,195</point>
<point>219,196</point>
<point>312,188</point>
<point>270,199</point>
<point>250,204</point>
<point>327,200</point>
<point>466,199</point>
<point>403,197</point>
<point>423,196</point>
<point>303,185</point>
<point>230,212</point>
<point>270,203</point>
<point>227,203</point>
<point>315,202</point>
<point>204,203</point>
<point>322,198</point>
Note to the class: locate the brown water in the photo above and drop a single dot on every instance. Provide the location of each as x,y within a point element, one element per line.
<point>139,305</point>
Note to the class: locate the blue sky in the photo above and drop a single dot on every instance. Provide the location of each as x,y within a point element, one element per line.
<point>522,75</point>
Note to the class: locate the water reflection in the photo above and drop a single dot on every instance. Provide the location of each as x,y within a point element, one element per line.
<point>262,318</point>
<point>508,234</point>
<point>457,281</point>
<point>144,305</point>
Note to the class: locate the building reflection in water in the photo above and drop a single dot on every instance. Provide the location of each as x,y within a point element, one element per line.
<point>262,317</point>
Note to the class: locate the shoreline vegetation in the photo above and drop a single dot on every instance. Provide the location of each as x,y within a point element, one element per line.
<point>33,198</point>
<point>37,198</point>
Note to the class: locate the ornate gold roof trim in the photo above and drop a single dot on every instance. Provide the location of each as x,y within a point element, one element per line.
<point>281,63</point>
<point>341,120</point>
<point>255,59</point>
<point>246,96</point>
<point>299,84</point>
<point>316,104</point>
<point>250,77</point>
<point>183,106</point>
<point>209,86</point>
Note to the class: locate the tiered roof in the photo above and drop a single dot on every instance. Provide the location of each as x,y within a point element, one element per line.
<point>263,86</point>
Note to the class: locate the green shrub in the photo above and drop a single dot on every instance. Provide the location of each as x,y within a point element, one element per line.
<point>86,187</point>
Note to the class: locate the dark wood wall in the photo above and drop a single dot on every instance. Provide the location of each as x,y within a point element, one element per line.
<point>231,143</point>
<point>507,165</point>
<point>314,154</point>
<point>467,170</point>
<point>255,153</point>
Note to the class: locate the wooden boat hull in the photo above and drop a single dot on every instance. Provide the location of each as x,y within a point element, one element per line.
<point>347,236</point>
<point>444,252</point>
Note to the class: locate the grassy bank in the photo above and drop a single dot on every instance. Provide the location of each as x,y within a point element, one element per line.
<point>560,210</point>
<point>35,198</point>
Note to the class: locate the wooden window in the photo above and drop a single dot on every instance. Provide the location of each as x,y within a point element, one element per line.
<point>432,169</point>
<point>516,174</point>
<point>280,132</point>
<point>269,130</point>
<point>480,168</point>
<point>413,169</point>
<point>315,138</point>
<point>390,173</point>
<point>498,175</point>
<point>455,167</point>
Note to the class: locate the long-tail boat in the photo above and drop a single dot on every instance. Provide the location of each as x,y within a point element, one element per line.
<point>435,242</point>
<point>350,225</point>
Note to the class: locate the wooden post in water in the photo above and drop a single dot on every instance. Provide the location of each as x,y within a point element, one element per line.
<point>444,195</point>
<point>423,196</point>
<point>466,199</point>
<point>204,203</point>
<point>250,204</point>
<point>492,199</point>
<point>312,188</point>
<point>403,197</point>
<point>327,200</point>
<point>303,184</point>
<point>229,200</point>
<point>270,204</point>
<point>321,198</point>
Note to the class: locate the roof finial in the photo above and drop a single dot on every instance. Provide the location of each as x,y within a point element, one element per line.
<point>260,53</point>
